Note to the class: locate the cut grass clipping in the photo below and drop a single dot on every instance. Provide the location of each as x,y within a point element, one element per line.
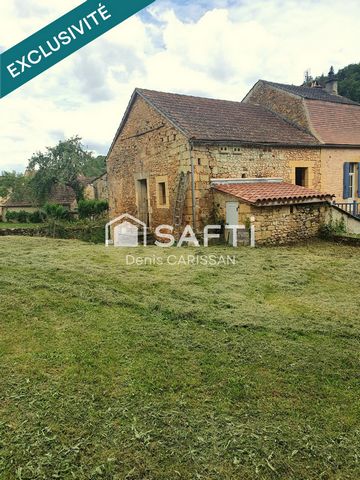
<point>186,372</point>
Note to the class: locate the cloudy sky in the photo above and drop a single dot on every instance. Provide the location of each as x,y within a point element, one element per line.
<point>215,48</point>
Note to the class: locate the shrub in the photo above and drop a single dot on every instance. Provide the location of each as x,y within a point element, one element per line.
<point>333,228</point>
<point>92,208</point>
<point>11,216</point>
<point>20,217</point>
<point>37,217</point>
<point>56,212</point>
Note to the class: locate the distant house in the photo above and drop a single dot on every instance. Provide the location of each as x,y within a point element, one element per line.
<point>174,156</point>
<point>60,195</point>
<point>96,188</point>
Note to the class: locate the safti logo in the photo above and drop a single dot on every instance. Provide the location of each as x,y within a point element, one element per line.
<point>125,232</point>
<point>128,231</point>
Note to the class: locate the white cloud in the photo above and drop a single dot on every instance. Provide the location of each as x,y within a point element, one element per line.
<point>221,54</point>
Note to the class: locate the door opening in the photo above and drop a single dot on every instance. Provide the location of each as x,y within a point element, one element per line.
<point>143,202</point>
<point>232,218</point>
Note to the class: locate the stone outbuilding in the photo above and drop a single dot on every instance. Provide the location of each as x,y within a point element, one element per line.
<point>281,212</point>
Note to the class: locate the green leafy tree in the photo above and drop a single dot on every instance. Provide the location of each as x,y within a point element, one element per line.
<point>61,164</point>
<point>95,166</point>
<point>349,82</point>
<point>16,185</point>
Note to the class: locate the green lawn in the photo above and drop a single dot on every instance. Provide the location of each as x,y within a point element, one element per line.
<point>121,372</point>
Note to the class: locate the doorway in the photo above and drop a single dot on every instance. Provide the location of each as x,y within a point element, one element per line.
<point>232,218</point>
<point>143,201</point>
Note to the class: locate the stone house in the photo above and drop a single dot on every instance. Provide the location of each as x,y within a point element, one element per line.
<point>172,152</point>
<point>96,188</point>
<point>332,119</point>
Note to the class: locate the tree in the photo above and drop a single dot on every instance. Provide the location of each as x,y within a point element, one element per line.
<point>61,164</point>
<point>349,82</point>
<point>95,166</point>
<point>17,185</point>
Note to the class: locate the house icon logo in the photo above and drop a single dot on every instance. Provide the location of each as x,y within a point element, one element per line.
<point>124,231</point>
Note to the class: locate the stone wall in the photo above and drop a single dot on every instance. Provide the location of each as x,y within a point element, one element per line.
<point>149,147</point>
<point>247,162</point>
<point>98,189</point>
<point>288,224</point>
<point>337,215</point>
<point>276,225</point>
<point>283,103</point>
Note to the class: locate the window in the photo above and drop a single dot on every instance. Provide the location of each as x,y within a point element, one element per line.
<point>162,192</point>
<point>301,176</point>
<point>351,180</point>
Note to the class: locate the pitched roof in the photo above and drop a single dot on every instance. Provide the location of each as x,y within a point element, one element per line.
<point>334,124</point>
<point>221,120</point>
<point>60,194</point>
<point>267,192</point>
<point>312,93</point>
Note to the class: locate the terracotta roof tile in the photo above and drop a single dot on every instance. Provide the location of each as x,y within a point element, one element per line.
<point>209,119</point>
<point>60,194</point>
<point>334,123</point>
<point>262,192</point>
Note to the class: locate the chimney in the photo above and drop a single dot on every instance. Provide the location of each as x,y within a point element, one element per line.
<point>331,84</point>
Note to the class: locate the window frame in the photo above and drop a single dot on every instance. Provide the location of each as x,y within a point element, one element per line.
<point>162,180</point>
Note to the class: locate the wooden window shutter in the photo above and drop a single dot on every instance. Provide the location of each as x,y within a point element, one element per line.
<point>346,180</point>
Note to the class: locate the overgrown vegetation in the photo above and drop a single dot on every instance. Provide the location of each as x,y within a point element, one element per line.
<point>92,208</point>
<point>182,372</point>
<point>63,164</point>
<point>333,228</point>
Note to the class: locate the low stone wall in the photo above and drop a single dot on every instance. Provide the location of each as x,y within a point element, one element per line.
<point>355,241</point>
<point>288,224</point>
<point>29,232</point>
<point>336,214</point>
<point>89,233</point>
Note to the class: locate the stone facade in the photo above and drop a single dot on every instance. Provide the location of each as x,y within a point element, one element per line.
<point>97,189</point>
<point>228,161</point>
<point>286,105</point>
<point>148,149</point>
<point>276,225</point>
<point>151,149</point>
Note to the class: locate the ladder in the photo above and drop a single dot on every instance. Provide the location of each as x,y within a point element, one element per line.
<point>180,198</point>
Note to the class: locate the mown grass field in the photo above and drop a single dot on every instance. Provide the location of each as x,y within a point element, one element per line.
<point>237,372</point>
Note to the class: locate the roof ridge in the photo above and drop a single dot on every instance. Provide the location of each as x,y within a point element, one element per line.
<point>327,96</point>
<point>197,97</point>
